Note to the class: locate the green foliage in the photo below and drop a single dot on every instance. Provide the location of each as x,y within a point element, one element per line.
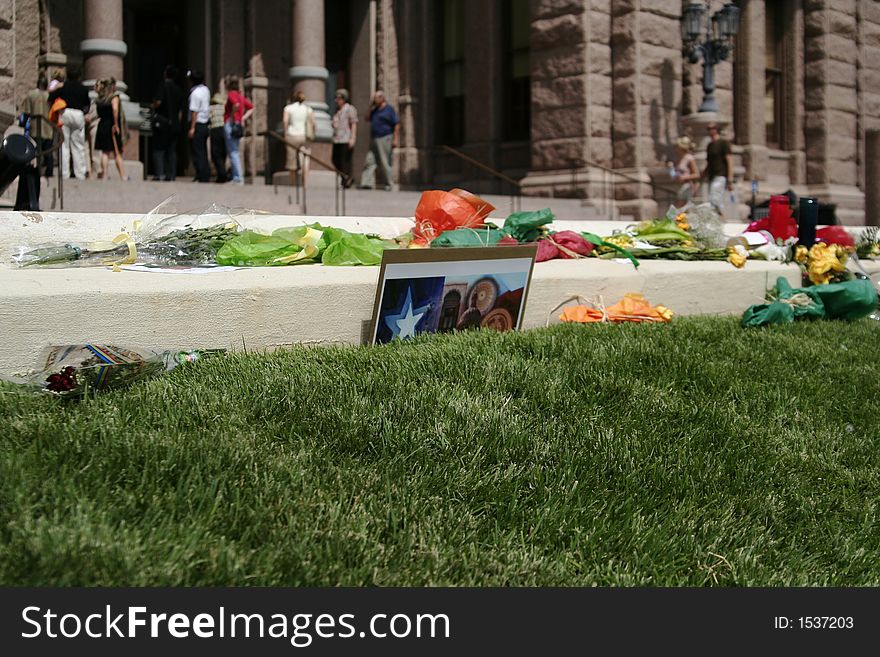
<point>694,453</point>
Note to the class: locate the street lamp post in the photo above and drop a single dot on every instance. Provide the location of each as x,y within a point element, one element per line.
<point>709,40</point>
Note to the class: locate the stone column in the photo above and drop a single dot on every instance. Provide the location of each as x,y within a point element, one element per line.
<point>634,28</point>
<point>308,72</point>
<point>560,80</point>
<point>256,87</point>
<point>793,94</point>
<point>750,64</point>
<point>406,165</point>
<point>103,48</point>
<point>831,106</point>
<point>8,93</point>
<point>362,64</point>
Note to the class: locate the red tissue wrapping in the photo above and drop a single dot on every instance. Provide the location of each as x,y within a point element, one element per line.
<point>572,241</point>
<point>565,244</point>
<point>546,251</point>
<point>828,234</point>
<point>439,211</point>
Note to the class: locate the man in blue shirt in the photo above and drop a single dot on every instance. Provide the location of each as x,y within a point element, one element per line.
<point>385,135</point>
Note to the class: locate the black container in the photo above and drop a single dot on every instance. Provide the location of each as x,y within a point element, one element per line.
<point>15,154</point>
<point>808,214</point>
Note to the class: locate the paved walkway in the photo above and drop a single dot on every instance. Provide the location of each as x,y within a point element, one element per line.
<point>142,196</point>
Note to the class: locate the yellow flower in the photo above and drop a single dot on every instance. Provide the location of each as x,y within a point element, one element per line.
<point>824,263</point>
<point>665,313</point>
<point>622,240</point>
<point>681,220</point>
<point>687,243</point>
<point>619,240</point>
<point>801,253</point>
<point>737,256</point>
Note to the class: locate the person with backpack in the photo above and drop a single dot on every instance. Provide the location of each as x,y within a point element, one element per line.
<point>237,111</point>
<point>35,119</point>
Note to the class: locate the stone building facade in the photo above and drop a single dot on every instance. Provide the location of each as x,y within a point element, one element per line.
<point>568,97</point>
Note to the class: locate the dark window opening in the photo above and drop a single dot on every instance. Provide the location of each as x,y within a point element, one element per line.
<point>337,48</point>
<point>774,104</point>
<point>517,94</point>
<point>451,119</point>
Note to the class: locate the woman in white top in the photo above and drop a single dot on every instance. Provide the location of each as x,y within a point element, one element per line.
<point>299,129</point>
<point>685,171</point>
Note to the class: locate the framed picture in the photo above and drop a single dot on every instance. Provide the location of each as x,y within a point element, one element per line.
<point>441,290</point>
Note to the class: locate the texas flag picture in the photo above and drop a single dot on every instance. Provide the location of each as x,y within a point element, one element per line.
<point>442,290</point>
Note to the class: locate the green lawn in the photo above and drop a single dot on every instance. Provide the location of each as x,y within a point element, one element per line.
<point>690,454</point>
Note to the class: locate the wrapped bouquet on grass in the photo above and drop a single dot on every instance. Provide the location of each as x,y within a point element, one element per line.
<point>633,307</point>
<point>76,370</point>
<point>849,300</point>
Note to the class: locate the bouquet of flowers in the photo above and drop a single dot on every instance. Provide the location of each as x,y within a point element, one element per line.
<point>76,370</point>
<point>823,263</point>
<point>172,239</point>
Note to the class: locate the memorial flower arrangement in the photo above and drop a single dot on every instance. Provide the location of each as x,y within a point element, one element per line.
<point>868,244</point>
<point>823,263</point>
<point>185,246</point>
<point>78,370</point>
<point>217,236</point>
<point>691,235</point>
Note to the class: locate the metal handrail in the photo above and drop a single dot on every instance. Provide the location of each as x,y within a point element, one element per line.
<point>518,186</point>
<point>628,177</point>
<point>340,176</point>
<point>56,147</point>
<point>515,200</point>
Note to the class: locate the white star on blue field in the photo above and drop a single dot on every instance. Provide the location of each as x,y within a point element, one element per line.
<point>403,325</point>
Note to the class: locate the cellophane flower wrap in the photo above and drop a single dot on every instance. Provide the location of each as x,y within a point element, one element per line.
<point>77,370</point>
<point>439,211</point>
<point>162,237</point>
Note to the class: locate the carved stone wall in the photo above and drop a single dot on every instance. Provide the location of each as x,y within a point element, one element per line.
<point>610,88</point>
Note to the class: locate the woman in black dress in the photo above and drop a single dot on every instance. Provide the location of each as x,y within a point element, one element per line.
<point>108,139</point>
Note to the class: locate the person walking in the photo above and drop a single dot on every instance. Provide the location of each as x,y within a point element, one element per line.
<point>167,114</point>
<point>344,135</point>
<point>217,136</point>
<point>110,138</point>
<point>299,130</point>
<point>384,136</point>
<point>237,111</point>
<point>685,171</point>
<point>200,114</point>
<point>73,122</point>
<point>719,167</point>
<point>35,114</point>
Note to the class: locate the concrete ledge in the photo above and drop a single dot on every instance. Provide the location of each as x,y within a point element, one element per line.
<point>262,308</point>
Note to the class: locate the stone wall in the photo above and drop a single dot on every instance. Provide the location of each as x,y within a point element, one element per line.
<point>7,64</point>
<point>65,28</point>
<point>560,83</point>
<point>27,47</point>
<point>868,80</point>
<point>831,56</point>
<point>831,104</point>
<point>609,87</point>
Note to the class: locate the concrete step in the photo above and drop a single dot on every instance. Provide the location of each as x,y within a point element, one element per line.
<point>262,307</point>
<point>142,196</point>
